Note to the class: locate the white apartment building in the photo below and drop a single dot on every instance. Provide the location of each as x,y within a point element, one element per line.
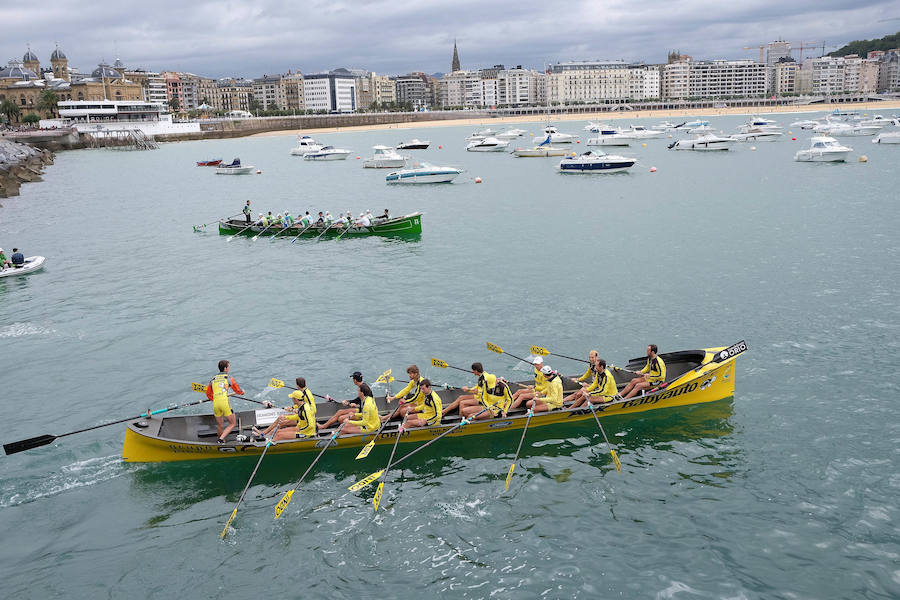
<point>332,92</point>
<point>155,90</point>
<point>519,87</point>
<point>783,78</point>
<point>676,78</point>
<point>644,82</point>
<point>269,93</point>
<point>827,74</point>
<point>587,82</point>
<point>412,88</point>
<point>727,78</point>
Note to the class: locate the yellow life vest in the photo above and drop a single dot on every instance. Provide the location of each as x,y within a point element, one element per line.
<point>219,386</point>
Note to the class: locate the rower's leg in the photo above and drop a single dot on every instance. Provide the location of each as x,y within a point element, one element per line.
<point>220,423</point>
<point>636,388</point>
<point>539,406</point>
<point>232,421</point>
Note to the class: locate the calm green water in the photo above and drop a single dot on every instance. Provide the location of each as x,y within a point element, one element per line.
<point>788,490</point>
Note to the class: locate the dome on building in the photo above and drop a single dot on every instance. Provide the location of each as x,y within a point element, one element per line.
<point>58,55</point>
<point>15,70</point>
<point>118,65</point>
<point>104,71</point>
<point>29,57</point>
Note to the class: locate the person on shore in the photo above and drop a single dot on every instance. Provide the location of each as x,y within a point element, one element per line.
<point>412,396</point>
<point>357,378</point>
<point>300,422</point>
<point>17,258</point>
<point>602,389</point>
<point>247,211</point>
<point>552,396</point>
<point>4,262</point>
<point>529,392</point>
<point>367,419</point>
<point>217,391</point>
<point>653,373</point>
<point>431,411</point>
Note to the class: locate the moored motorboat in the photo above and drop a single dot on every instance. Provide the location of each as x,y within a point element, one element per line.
<point>757,135</point>
<point>559,138</point>
<point>209,163</point>
<point>510,134</point>
<point>541,151</point>
<point>414,144</point>
<point>609,137</point>
<point>639,132</point>
<point>839,129</point>
<point>595,162</point>
<point>397,226</point>
<point>424,173</point>
<point>702,143</point>
<point>385,157</point>
<point>306,145</point>
<point>823,149</point>
<point>235,168</point>
<point>488,144</point>
<point>32,264</point>
<point>806,124</point>
<point>327,153</point>
<point>890,137</point>
<point>693,377</point>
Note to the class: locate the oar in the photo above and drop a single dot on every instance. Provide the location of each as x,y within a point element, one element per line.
<point>326,230</point>
<point>199,227</point>
<point>345,231</point>
<point>43,440</point>
<point>247,487</point>
<point>263,231</point>
<point>232,236</point>
<point>499,350</point>
<point>277,383</point>
<point>541,351</point>
<point>615,457</point>
<point>369,479</point>
<point>376,500</point>
<point>302,232</point>
<point>386,378</point>
<point>286,499</point>
<point>199,387</point>
<point>283,229</point>
<point>512,467</point>
<point>439,363</point>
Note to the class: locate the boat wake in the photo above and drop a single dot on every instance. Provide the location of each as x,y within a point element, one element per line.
<point>15,330</point>
<point>77,475</point>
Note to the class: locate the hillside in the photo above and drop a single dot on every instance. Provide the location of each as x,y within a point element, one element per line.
<point>862,47</point>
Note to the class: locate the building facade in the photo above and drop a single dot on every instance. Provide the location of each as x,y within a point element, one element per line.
<point>331,92</point>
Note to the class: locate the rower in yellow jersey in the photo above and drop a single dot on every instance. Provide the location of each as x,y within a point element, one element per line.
<point>217,391</point>
<point>412,396</point>
<point>300,422</point>
<point>653,373</point>
<point>491,392</point>
<point>552,396</point>
<point>590,375</point>
<point>367,420</point>
<point>527,393</point>
<point>603,389</point>
<point>431,412</point>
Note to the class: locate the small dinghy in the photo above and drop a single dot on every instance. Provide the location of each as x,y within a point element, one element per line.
<point>32,264</point>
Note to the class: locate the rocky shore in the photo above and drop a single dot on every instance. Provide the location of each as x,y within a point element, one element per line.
<point>20,163</point>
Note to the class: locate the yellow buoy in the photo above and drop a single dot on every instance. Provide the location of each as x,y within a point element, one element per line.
<point>644,145</point>
<point>863,158</point>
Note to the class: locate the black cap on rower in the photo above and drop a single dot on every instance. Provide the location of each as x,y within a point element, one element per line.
<point>357,376</point>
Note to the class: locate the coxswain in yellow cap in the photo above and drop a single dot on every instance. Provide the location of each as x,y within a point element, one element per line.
<point>300,422</point>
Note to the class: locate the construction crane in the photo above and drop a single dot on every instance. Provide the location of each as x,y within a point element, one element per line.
<point>762,48</point>
<point>795,47</point>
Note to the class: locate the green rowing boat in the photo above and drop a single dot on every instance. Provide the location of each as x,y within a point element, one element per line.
<point>397,226</point>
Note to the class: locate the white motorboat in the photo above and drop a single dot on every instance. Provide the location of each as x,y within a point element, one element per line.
<point>32,264</point>
<point>327,153</point>
<point>235,168</point>
<point>414,144</point>
<point>703,142</point>
<point>701,129</point>
<point>805,124</point>
<point>385,157</point>
<point>693,124</point>
<point>892,137</point>
<point>757,135</point>
<point>834,128</point>
<point>424,173</point>
<point>477,136</point>
<point>666,126</point>
<point>609,137</point>
<point>823,149</point>
<point>559,138</point>
<point>595,162</point>
<point>639,132</point>
<point>306,145</point>
<point>511,134</point>
<point>879,121</point>
<point>541,152</point>
<point>594,127</point>
<point>488,144</point>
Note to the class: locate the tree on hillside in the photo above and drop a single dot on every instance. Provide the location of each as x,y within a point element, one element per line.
<point>863,47</point>
<point>47,102</point>
<point>10,109</point>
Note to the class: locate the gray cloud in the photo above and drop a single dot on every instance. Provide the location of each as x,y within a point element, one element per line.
<point>269,36</point>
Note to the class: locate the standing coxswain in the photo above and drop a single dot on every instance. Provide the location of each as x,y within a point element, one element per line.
<point>217,391</point>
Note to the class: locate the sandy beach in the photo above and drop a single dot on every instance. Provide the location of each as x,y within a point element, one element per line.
<point>862,107</point>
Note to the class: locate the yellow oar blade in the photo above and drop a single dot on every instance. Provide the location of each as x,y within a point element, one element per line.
<point>377,499</point>
<point>512,468</point>
<point>198,387</point>
<point>383,378</point>
<point>366,449</point>
<point>494,348</point>
<point>282,504</point>
<point>616,460</point>
<point>228,523</point>
<point>276,383</point>
<point>539,351</point>
<point>364,482</point>
<point>438,363</point>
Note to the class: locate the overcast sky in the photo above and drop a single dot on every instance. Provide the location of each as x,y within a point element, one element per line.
<point>252,38</point>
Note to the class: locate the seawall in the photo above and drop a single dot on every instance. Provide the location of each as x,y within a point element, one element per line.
<point>20,163</point>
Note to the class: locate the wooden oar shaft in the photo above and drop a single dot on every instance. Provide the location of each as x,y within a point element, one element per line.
<point>305,229</point>
<point>246,228</point>
<point>327,446</point>
<point>570,357</point>
<point>451,430</point>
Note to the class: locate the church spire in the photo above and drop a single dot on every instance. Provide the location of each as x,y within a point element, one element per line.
<point>454,66</point>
